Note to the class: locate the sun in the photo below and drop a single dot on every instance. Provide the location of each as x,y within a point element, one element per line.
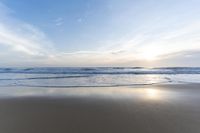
<point>150,56</point>
<point>150,53</point>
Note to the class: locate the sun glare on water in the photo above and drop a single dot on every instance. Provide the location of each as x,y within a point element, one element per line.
<point>152,93</point>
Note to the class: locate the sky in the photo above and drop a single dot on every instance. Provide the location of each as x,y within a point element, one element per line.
<point>147,33</point>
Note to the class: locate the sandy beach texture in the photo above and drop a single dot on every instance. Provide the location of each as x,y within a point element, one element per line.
<point>150,109</point>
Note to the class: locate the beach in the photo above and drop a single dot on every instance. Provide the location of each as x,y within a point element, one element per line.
<point>169,108</point>
<point>99,66</point>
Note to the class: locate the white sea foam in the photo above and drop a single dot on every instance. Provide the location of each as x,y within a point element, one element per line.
<point>96,77</point>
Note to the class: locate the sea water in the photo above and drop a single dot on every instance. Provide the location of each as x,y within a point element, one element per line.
<point>96,76</point>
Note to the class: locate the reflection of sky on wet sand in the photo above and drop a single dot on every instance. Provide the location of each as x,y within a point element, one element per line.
<point>152,94</point>
<point>146,93</point>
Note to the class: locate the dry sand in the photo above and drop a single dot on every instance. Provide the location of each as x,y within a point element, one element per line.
<point>157,109</point>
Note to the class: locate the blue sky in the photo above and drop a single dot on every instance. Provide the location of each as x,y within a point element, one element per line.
<point>100,33</point>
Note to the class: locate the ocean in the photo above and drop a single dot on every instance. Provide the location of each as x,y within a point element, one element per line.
<point>64,77</point>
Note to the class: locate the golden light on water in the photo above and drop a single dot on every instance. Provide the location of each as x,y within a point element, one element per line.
<point>152,94</point>
<point>146,93</point>
<point>119,93</point>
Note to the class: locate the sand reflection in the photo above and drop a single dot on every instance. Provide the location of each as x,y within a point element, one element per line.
<point>121,92</point>
<point>153,93</point>
<point>146,93</point>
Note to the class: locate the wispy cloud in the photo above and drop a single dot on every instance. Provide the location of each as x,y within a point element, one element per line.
<point>59,21</point>
<point>19,36</point>
<point>29,40</point>
<point>188,58</point>
<point>154,42</point>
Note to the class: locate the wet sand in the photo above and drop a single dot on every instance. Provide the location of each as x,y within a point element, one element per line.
<point>150,109</point>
